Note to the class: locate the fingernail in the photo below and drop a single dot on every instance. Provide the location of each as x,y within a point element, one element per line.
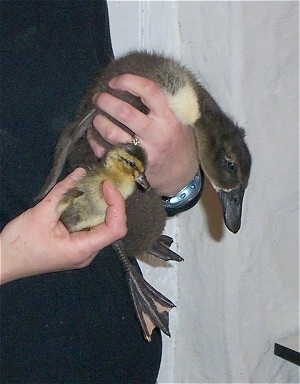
<point>95,97</point>
<point>78,174</point>
<point>112,82</point>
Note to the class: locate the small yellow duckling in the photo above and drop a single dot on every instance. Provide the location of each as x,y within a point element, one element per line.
<point>83,207</point>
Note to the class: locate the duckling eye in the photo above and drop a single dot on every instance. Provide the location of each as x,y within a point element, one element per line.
<point>231,166</point>
<point>127,161</point>
<point>132,164</point>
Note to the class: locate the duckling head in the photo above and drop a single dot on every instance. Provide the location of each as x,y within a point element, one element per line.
<point>128,161</point>
<point>226,161</point>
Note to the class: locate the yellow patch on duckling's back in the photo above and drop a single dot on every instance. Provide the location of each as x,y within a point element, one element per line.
<point>185,105</point>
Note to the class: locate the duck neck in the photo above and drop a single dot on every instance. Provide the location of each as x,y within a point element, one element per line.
<point>204,139</point>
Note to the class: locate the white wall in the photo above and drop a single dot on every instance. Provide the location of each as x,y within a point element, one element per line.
<point>235,294</point>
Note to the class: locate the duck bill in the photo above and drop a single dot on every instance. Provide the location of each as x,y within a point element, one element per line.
<point>232,202</point>
<point>143,182</point>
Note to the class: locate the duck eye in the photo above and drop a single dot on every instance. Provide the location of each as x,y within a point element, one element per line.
<point>231,166</point>
<point>132,164</point>
<point>127,161</point>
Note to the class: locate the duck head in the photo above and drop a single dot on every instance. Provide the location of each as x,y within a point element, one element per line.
<point>129,161</point>
<point>226,161</point>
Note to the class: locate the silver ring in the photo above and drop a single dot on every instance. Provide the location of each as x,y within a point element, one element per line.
<point>135,141</point>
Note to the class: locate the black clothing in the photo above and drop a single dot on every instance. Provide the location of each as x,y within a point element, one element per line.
<point>49,52</point>
<point>75,327</point>
<point>65,327</point>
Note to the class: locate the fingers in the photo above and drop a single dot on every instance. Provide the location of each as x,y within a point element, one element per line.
<point>115,215</point>
<point>150,93</point>
<point>123,112</point>
<point>67,183</point>
<point>108,130</point>
<point>111,230</point>
<point>53,197</point>
<point>98,149</point>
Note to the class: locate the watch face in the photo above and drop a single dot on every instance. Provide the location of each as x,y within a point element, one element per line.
<point>186,194</point>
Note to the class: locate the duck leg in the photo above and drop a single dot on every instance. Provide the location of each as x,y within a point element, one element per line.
<point>161,249</point>
<point>151,307</point>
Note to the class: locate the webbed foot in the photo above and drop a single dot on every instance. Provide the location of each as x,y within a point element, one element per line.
<point>161,249</point>
<point>151,307</point>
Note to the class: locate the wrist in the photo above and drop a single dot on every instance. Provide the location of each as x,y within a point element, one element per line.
<point>187,197</point>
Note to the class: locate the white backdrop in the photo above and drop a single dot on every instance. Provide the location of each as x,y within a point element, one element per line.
<point>236,295</point>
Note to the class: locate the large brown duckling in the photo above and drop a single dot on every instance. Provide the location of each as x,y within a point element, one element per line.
<point>223,153</point>
<point>223,156</point>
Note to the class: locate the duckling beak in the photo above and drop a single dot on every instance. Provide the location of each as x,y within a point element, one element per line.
<point>232,202</point>
<point>143,182</point>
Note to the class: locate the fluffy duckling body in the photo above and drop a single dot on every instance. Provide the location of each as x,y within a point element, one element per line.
<point>83,207</point>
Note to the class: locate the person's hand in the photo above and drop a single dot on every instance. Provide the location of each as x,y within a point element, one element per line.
<point>37,242</point>
<point>170,146</point>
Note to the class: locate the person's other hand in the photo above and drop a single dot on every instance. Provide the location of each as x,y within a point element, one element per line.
<point>37,242</point>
